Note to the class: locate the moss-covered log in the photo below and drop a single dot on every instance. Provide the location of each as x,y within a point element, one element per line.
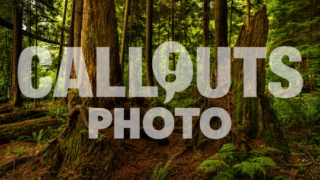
<point>17,116</point>
<point>6,108</point>
<point>254,117</point>
<point>10,132</point>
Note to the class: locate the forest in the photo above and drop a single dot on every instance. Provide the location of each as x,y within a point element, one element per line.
<point>49,137</point>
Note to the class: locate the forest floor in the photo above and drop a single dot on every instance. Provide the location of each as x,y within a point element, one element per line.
<point>136,159</point>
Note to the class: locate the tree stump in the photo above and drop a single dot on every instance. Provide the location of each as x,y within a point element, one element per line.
<point>254,117</point>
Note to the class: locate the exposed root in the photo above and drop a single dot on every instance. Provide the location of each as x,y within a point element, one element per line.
<point>75,154</point>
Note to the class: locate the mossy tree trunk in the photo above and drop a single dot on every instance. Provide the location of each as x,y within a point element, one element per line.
<point>150,81</point>
<point>125,22</point>
<point>221,32</point>
<point>15,93</point>
<point>99,29</point>
<point>72,149</point>
<point>254,117</point>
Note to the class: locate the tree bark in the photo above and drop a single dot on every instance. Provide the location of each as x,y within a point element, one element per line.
<point>124,35</point>
<point>221,32</point>
<point>230,21</point>
<point>206,9</point>
<point>172,34</point>
<point>254,117</point>
<point>149,43</point>
<point>99,29</point>
<point>78,23</point>
<point>15,95</point>
<point>36,58</point>
<point>131,18</point>
<point>248,14</point>
<point>77,28</point>
<point>62,38</point>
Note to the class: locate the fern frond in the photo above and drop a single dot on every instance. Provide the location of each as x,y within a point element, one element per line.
<point>224,175</point>
<point>264,161</point>
<point>224,156</point>
<point>40,135</point>
<point>227,148</point>
<point>269,150</point>
<point>155,171</point>
<point>245,167</point>
<point>210,166</point>
<point>162,173</point>
<point>34,136</point>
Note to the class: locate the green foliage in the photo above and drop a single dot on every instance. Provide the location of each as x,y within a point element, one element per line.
<point>300,111</point>
<point>58,113</point>
<point>20,150</point>
<point>36,138</point>
<point>161,173</point>
<point>228,163</point>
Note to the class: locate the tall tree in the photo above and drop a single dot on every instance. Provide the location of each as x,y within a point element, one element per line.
<point>100,15</point>
<point>99,29</point>
<point>126,13</point>
<point>76,33</point>
<point>78,23</point>
<point>36,59</point>
<point>149,43</point>
<point>206,9</point>
<point>131,19</point>
<point>64,100</point>
<point>15,95</point>
<point>62,37</point>
<point>172,33</point>
<point>230,23</point>
<point>221,31</point>
<point>248,13</point>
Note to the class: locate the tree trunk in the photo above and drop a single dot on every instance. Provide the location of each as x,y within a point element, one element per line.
<point>62,38</point>
<point>30,32</point>
<point>248,14</point>
<point>78,23</point>
<point>172,35</point>
<point>36,59</point>
<point>230,21</point>
<point>206,9</point>
<point>124,35</point>
<point>99,29</point>
<point>149,43</point>
<point>15,95</point>
<point>100,16</point>
<point>254,117</point>
<point>77,28</point>
<point>131,18</point>
<point>221,32</point>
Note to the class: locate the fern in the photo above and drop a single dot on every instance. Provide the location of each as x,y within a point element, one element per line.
<point>36,138</point>
<point>227,163</point>
<point>162,173</point>
<point>210,166</point>
<point>225,175</point>
<point>245,167</point>
<point>225,153</point>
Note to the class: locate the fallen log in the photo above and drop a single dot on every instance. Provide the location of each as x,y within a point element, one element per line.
<point>17,116</point>
<point>6,108</point>
<point>10,132</point>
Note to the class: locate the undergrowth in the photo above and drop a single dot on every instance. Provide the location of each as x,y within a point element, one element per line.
<point>161,173</point>
<point>228,163</point>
